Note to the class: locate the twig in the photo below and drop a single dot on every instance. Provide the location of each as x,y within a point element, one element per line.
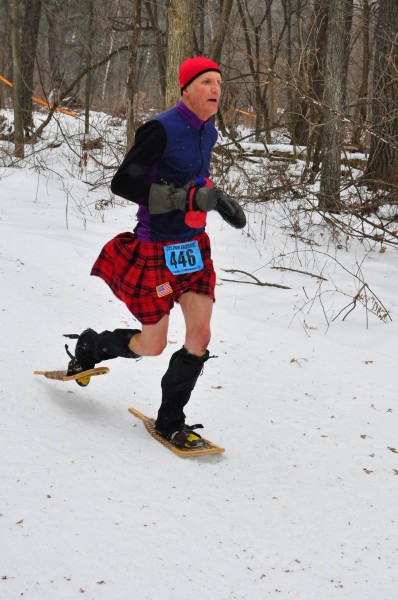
<point>101,164</point>
<point>376,309</point>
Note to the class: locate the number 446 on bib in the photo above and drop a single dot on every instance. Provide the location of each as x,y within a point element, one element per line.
<point>183,258</point>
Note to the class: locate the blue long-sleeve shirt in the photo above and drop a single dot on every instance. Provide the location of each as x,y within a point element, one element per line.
<point>172,148</point>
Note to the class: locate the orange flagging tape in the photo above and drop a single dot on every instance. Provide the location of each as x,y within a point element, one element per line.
<point>245,113</point>
<point>63,110</point>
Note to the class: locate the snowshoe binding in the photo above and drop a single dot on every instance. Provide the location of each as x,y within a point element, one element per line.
<point>75,368</point>
<point>187,437</point>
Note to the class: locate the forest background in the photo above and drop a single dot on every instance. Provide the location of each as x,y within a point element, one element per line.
<point>320,75</point>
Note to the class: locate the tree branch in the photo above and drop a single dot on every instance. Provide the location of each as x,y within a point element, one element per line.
<point>255,282</point>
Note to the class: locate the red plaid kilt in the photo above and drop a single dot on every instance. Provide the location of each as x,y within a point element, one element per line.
<point>134,269</point>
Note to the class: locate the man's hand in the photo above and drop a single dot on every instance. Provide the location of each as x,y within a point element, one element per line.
<point>201,195</point>
<point>197,195</point>
<point>230,210</point>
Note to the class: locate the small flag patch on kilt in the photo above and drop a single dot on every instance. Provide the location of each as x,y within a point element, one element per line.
<point>164,289</point>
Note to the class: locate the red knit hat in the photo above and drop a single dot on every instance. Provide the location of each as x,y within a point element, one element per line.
<point>193,67</point>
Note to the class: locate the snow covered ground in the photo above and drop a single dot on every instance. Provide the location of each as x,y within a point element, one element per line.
<point>303,503</point>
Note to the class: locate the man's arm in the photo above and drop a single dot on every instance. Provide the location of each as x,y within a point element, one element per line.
<point>130,181</point>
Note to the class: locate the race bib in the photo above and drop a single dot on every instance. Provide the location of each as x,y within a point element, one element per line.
<point>183,258</point>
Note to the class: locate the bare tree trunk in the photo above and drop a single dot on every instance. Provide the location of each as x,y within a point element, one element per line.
<point>218,41</point>
<point>107,68</point>
<point>15,18</point>
<point>347,38</point>
<point>5,50</point>
<point>54,40</point>
<point>382,164</point>
<point>306,130</point>
<point>30,31</point>
<point>270,91</point>
<point>200,20</point>
<point>329,196</point>
<point>363,93</point>
<point>159,44</point>
<point>131,88</point>
<point>179,44</point>
<point>291,99</point>
<point>89,57</point>
<point>253,58</point>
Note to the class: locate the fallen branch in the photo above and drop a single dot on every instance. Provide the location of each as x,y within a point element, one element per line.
<point>302,272</point>
<point>255,282</point>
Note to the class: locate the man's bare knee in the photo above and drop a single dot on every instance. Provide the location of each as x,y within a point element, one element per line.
<point>197,344</point>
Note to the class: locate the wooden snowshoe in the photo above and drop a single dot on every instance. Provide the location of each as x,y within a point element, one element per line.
<point>82,378</point>
<point>207,448</point>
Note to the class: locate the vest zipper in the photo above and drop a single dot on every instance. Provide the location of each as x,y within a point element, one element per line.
<point>201,130</point>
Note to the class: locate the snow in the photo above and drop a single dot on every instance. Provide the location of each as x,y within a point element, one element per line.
<point>301,506</point>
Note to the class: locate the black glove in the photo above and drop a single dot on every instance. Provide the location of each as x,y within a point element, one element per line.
<point>230,210</point>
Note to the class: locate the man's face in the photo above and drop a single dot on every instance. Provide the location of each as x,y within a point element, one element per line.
<point>203,95</point>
